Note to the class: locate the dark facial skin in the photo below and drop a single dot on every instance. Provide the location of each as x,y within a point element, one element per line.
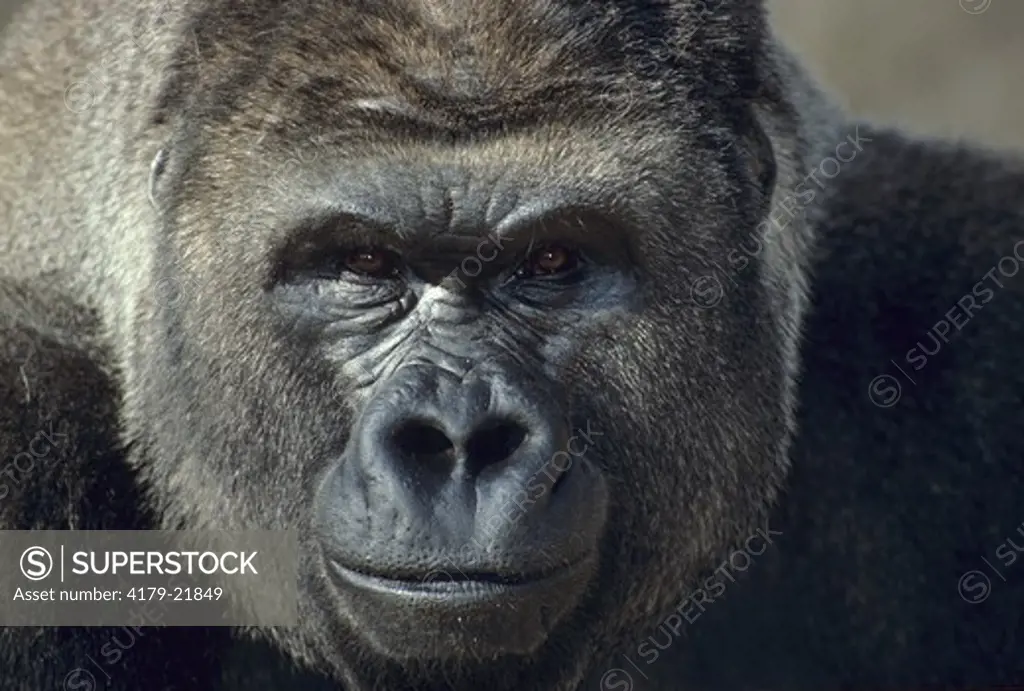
<point>456,508</point>
<point>476,349</point>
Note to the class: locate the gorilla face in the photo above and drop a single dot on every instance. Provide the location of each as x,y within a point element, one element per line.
<point>444,327</point>
<point>447,295</point>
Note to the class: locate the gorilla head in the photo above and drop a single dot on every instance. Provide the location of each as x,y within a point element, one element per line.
<point>462,316</point>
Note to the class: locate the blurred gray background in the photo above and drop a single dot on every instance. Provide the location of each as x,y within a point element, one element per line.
<point>948,67</point>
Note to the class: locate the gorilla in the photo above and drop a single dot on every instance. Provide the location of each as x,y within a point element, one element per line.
<point>585,345</point>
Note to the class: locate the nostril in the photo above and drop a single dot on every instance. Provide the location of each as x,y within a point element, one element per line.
<point>493,442</point>
<point>421,440</point>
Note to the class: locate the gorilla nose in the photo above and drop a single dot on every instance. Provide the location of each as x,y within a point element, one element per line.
<point>485,433</point>
<point>452,458</point>
<point>444,446</point>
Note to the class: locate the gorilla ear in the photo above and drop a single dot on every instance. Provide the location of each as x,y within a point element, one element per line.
<point>756,147</point>
<point>156,171</point>
<point>753,147</point>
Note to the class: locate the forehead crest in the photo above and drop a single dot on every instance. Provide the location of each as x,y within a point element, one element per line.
<point>399,56</point>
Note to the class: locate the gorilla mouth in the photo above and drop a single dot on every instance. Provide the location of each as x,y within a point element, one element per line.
<point>446,584</point>
<point>470,614</point>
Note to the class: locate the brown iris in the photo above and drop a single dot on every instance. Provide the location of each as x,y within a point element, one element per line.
<point>550,260</point>
<point>370,261</point>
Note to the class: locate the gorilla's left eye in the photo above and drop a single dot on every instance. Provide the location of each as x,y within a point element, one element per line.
<point>550,260</point>
<point>372,262</point>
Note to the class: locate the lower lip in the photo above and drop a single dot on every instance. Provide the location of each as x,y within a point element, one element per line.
<point>438,618</point>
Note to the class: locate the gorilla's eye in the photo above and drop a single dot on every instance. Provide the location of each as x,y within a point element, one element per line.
<point>550,260</point>
<point>373,262</point>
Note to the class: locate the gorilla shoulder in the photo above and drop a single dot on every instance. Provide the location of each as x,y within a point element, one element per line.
<point>58,427</point>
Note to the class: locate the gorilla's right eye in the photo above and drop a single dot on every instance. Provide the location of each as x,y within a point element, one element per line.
<point>372,262</point>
